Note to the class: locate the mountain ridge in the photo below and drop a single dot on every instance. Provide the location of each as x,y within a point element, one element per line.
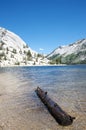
<point>74,53</point>
<point>14,51</point>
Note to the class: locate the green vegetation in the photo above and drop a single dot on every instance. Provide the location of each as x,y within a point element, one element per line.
<point>17,63</point>
<point>2,55</point>
<point>69,59</point>
<point>74,58</point>
<point>39,55</point>
<point>34,63</point>
<point>2,43</point>
<point>20,52</point>
<point>56,59</point>
<point>29,55</point>
<point>7,49</point>
<point>25,46</point>
<point>5,58</point>
<point>25,52</point>
<point>82,53</point>
<point>14,51</point>
<point>1,48</point>
<point>52,62</point>
<point>25,60</point>
<point>83,62</point>
<point>12,56</point>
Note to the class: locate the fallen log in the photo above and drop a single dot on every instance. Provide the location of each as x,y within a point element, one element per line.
<point>60,116</point>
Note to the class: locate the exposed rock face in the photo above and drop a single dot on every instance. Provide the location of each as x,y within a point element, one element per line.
<point>74,53</point>
<point>14,51</point>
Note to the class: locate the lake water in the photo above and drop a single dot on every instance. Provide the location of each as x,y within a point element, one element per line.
<point>21,109</point>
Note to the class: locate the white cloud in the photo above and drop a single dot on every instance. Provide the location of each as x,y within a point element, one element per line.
<point>41,49</point>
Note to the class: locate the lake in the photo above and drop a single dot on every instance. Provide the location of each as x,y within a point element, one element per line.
<point>21,109</point>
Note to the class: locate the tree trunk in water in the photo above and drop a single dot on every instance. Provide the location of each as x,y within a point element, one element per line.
<point>61,117</point>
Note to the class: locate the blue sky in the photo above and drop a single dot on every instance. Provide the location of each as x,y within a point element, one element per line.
<point>45,24</point>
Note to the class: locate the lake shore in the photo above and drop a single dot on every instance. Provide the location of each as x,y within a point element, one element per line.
<point>34,65</point>
<point>21,109</point>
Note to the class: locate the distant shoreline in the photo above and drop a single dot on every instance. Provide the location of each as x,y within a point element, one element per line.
<point>32,65</point>
<point>38,65</point>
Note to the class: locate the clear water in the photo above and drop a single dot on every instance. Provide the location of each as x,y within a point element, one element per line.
<point>21,109</point>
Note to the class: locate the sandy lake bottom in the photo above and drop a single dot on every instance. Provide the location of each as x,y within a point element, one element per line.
<point>21,109</point>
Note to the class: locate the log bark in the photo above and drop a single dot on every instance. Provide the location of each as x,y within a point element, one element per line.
<point>56,111</point>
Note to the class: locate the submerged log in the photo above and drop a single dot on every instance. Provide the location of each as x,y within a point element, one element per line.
<point>61,116</point>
